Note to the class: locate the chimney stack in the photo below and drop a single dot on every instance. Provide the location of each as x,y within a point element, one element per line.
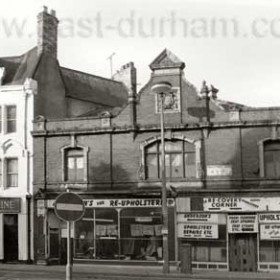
<point>127,75</point>
<point>47,32</point>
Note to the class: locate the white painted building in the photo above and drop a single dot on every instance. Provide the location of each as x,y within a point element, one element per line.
<point>16,152</point>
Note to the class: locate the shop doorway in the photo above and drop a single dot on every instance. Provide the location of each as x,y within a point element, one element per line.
<point>10,238</point>
<point>243,252</point>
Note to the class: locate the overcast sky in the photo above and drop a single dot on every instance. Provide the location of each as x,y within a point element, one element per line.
<point>234,45</point>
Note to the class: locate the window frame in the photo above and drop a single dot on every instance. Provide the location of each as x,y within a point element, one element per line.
<point>262,163</point>
<point>197,154</point>
<point>8,120</point>
<point>4,172</point>
<point>64,157</point>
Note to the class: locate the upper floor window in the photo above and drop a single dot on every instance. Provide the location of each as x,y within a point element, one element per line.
<point>8,119</point>
<point>75,164</point>
<point>11,172</point>
<point>272,159</point>
<point>179,159</point>
<point>11,117</point>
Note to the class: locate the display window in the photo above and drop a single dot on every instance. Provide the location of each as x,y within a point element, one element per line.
<point>126,234</point>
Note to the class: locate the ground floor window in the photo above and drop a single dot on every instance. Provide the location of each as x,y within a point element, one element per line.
<point>269,251</point>
<point>209,251</point>
<point>119,234</point>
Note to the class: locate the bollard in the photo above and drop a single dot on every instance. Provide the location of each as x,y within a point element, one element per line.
<point>186,258</point>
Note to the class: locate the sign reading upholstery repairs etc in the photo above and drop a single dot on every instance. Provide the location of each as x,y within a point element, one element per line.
<point>242,223</point>
<point>208,231</point>
<point>9,205</point>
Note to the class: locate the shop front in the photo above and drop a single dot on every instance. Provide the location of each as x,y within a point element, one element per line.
<point>112,229</point>
<point>10,209</point>
<point>231,233</point>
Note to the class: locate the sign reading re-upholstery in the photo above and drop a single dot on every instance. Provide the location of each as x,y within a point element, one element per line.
<point>69,207</point>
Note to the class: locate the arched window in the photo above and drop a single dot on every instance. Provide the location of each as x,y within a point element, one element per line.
<point>75,164</point>
<point>272,158</point>
<point>179,159</point>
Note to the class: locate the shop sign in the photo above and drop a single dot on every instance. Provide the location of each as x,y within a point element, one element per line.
<point>122,203</point>
<point>126,203</point>
<point>9,205</point>
<point>241,204</point>
<point>242,224</point>
<point>270,231</point>
<point>198,217</point>
<point>207,231</point>
<point>233,204</point>
<point>269,218</point>
<point>219,170</point>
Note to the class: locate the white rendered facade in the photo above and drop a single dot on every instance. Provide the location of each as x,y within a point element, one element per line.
<point>17,146</point>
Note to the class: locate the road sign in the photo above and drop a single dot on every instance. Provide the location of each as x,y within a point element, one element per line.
<point>69,207</point>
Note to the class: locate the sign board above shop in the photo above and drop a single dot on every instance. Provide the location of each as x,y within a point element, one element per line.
<point>201,231</point>
<point>198,218</point>
<point>241,204</point>
<point>242,223</point>
<point>9,205</point>
<point>122,203</point>
<point>270,231</point>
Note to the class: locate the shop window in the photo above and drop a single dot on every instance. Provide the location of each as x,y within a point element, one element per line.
<point>180,159</point>
<point>11,172</point>
<point>210,250</point>
<point>272,159</point>
<point>141,237</point>
<point>75,164</point>
<point>122,234</point>
<point>97,235</point>
<point>269,251</point>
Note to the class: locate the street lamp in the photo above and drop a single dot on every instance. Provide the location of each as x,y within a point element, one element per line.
<point>161,89</point>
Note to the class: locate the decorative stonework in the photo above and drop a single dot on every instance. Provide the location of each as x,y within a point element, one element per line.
<point>171,102</point>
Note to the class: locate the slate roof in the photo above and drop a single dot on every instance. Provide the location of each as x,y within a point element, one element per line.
<point>93,88</point>
<point>18,68</point>
<point>78,85</point>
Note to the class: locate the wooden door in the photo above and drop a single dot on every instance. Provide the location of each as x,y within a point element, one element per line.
<point>243,252</point>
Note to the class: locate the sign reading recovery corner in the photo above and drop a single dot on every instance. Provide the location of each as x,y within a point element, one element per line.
<point>235,204</point>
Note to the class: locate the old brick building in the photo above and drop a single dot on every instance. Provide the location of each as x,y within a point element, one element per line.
<point>222,174</point>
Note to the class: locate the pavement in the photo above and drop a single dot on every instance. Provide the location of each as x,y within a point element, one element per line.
<point>105,271</point>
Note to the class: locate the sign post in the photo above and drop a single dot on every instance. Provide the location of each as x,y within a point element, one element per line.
<point>69,207</point>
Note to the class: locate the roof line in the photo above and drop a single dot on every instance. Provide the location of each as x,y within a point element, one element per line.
<point>91,75</point>
<point>18,56</point>
<point>84,99</point>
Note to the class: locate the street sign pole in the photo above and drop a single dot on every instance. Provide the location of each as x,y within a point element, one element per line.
<point>69,261</point>
<point>69,207</point>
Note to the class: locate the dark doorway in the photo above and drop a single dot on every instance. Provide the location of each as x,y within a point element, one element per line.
<point>10,238</point>
<point>243,252</point>
<point>54,243</point>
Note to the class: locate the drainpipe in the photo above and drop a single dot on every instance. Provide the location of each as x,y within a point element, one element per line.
<point>28,201</point>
